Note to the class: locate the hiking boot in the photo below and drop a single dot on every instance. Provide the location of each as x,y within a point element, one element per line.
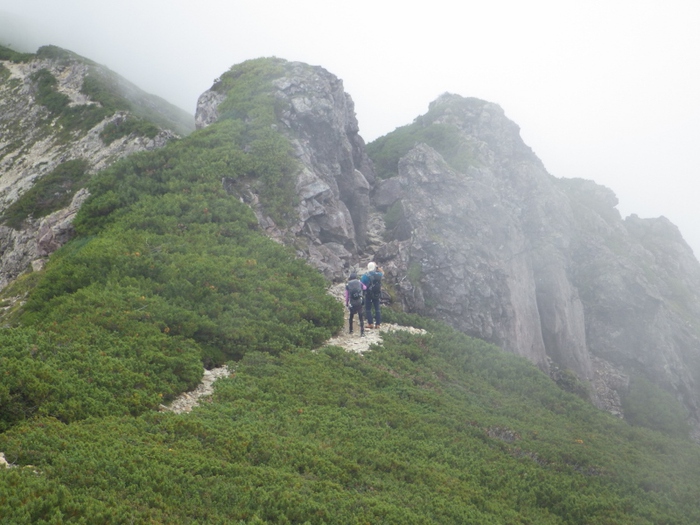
<point>362,334</point>
<point>376,326</point>
<point>370,326</point>
<point>350,331</point>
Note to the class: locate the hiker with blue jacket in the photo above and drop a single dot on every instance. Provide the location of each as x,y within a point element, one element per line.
<point>354,299</point>
<point>372,280</point>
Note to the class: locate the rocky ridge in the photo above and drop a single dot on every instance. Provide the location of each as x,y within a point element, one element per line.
<point>31,149</point>
<point>543,267</point>
<point>336,174</point>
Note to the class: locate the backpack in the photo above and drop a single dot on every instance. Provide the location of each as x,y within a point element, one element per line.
<point>354,288</point>
<point>374,289</point>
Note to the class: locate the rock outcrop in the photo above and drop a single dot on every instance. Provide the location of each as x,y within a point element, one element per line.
<point>335,174</point>
<point>639,282</point>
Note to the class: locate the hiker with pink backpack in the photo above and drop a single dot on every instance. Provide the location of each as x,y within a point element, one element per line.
<point>354,300</point>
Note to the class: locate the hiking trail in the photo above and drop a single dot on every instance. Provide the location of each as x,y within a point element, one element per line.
<point>186,401</point>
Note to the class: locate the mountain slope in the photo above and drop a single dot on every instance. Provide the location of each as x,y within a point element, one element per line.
<point>425,429</point>
<point>62,118</point>
<point>171,269</point>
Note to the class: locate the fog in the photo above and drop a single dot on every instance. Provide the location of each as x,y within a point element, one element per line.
<point>602,90</point>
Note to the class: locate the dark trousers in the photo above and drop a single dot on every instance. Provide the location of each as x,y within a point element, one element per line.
<point>369,302</point>
<point>357,310</point>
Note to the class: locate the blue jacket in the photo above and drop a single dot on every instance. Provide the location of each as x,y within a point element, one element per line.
<point>367,277</point>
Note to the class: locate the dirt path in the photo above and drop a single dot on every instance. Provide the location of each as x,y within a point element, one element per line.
<point>186,401</point>
<point>354,342</point>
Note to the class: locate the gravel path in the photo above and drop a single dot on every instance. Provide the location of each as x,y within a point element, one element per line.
<point>186,401</point>
<point>350,342</point>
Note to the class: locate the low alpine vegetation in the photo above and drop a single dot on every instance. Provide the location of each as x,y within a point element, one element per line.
<point>169,272</point>
<point>431,129</point>
<point>7,53</point>
<point>435,428</point>
<point>70,118</point>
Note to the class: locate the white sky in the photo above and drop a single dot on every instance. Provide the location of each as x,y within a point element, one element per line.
<point>607,90</point>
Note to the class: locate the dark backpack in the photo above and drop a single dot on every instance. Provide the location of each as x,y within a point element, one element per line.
<point>374,289</point>
<point>354,288</point>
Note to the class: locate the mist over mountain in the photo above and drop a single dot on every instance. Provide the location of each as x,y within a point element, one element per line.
<point>472,230</point>
<point>135,251</point>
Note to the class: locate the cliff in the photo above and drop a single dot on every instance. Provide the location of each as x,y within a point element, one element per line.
<point>485,239</point>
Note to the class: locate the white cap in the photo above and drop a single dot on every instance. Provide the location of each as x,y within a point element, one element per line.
<point>371,266</point>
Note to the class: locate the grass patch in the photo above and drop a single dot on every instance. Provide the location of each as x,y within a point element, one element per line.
<point>129,126</point>
<point>251,105</point>
<point>444,138</point>
<point>647,405</point>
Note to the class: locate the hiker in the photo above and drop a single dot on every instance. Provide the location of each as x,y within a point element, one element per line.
<point>372,280</point>
<point>354,295</point>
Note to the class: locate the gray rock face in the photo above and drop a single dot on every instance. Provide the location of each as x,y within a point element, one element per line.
<point>207,108</point>
<point>333,184</point>
<point>30,149</point>
<point>467,261</point>
<point>639,282</point>
<point>39,239</point>
<point>543,267</point>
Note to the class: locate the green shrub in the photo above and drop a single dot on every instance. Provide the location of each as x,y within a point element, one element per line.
<point>397,226</point>
<point>131,125</point>
<point>47,95</point>
<point>50,193</point>
<point>14,56</point>
<point>568,380</point>
<point>58,54</point>
<point>435,428</point>
<point>70,118</point>
<point>168,262</point>
<point>107,95</point>
<point>110,362</point>
<point>446,139</point>
<point>109,90</point>
<point>14,294</point>
<point>250,101</point>
<point>647,405</point>
<point>415,273</point>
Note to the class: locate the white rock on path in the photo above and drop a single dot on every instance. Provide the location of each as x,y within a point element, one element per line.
<point>3,461</point>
